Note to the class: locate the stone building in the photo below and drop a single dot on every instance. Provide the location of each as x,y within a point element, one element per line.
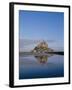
<point>41,47</point>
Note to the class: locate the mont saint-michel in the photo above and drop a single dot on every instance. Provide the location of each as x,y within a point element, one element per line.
<point>42,49</point>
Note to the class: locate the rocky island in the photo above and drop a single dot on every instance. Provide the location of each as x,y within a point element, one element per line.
<point>42,48</point>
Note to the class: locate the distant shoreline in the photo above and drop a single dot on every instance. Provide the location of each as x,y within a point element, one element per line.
<point>59,53</point>
<point>40,54</point>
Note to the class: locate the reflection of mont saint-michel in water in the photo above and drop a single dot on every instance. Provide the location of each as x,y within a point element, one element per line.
<point>41,62</point>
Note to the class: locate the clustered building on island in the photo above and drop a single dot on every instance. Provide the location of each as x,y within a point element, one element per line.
<point>42,48</point>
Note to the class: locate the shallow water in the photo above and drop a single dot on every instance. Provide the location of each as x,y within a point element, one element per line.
<point>41,66</point>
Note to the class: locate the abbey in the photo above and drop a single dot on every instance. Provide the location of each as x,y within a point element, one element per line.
<point>42,47</point>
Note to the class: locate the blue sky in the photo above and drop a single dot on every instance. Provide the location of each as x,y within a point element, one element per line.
<point>40,25</point>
